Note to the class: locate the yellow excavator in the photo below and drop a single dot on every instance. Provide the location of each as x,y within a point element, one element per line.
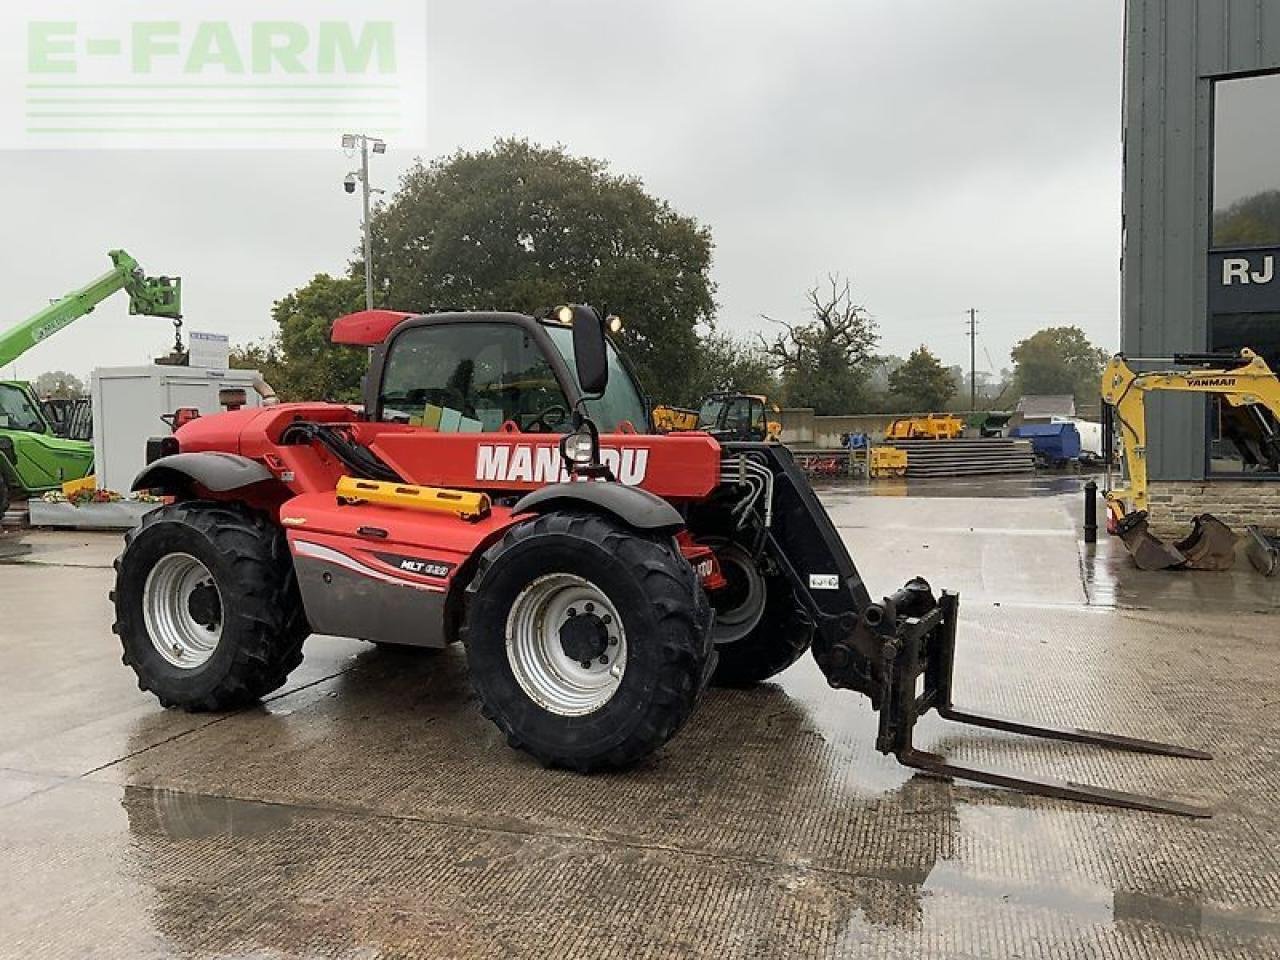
<point>1247,386</point>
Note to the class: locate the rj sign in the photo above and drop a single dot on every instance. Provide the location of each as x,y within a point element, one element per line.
<point>230,73</point>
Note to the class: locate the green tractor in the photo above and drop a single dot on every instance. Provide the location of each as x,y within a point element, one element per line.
<point>33,458</point>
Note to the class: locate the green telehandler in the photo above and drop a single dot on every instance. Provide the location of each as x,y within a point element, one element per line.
<point>33,458</point>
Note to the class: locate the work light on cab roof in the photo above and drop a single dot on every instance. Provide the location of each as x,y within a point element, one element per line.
<point>564,315</point>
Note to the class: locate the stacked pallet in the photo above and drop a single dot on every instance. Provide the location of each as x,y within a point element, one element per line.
<point>966,457</point>
<point>16,515</point>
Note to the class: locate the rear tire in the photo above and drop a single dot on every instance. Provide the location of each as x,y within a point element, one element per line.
<point>760,629</point>
<point>207,605</point>
<point>778,640</point>
<point>617,684</point>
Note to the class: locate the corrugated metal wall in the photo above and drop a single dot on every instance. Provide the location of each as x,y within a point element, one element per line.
<point>1173,51</point>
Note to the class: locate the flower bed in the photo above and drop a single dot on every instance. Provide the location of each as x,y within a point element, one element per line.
<point>91,510</point>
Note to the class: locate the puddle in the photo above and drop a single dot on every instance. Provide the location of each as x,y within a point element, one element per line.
<point>177,815</point>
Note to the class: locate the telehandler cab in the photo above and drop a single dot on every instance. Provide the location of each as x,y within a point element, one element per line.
<point>500,487</point>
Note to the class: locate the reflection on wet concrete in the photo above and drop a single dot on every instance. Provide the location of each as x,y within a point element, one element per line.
<point>1014,486</point>
<point>59,547</point>
<point>1111,579</point>
<point>175,815</point>
<point>370,811</point>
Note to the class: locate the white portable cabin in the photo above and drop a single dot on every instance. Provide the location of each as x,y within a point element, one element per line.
<point>130,402</point>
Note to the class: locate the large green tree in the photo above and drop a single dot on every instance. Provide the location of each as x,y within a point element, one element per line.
<point>728,363</point>
<point>299,361</point>
<point>520,226</point>
<point>825,362</point>
<point>1059,360</point>
<point>59,384</point>
<point>922,384</point>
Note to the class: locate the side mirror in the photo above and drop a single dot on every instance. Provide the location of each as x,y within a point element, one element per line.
<point>590,355</point>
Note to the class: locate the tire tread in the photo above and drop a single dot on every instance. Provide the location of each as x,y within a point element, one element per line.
<point>266,598</point>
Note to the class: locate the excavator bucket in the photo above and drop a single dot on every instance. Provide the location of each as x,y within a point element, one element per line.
<point>1210,546</point>
<point>1263,551</point>
<point>1148,551</point>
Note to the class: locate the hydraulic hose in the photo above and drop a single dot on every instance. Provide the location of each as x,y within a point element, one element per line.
<point>361,461</point>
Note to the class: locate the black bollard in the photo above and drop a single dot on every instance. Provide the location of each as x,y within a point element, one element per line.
<point>1090,512</point>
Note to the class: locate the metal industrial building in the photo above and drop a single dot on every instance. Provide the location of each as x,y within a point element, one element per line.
<point>1201,245</point>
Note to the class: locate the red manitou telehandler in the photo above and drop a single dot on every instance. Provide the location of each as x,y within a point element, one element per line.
<point>502,487</point>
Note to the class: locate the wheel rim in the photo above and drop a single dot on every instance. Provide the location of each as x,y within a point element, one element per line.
<point>182,610</point>
<point>740,604</point>
<point>554,622</point>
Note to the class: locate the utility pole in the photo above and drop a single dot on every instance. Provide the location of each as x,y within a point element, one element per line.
<point>368,241</point>
<point>973,363</point>
<point>349,141</point>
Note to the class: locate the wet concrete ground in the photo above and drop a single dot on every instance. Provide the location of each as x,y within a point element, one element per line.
<point>368,811</point>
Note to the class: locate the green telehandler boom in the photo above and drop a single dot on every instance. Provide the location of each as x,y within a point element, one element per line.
<point>33,459</point>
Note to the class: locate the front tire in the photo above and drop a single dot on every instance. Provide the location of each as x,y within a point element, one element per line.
<point>587,643</point>
<point>207,606</point>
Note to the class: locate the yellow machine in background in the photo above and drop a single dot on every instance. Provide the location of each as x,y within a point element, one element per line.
<point>888,462</point>
<point>1244,381</point>
<point>668,419</point>
<point>725,415</point>
<point>933,426</point>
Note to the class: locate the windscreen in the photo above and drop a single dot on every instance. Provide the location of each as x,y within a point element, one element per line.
<point>621,401</point>
<point>16,411</point>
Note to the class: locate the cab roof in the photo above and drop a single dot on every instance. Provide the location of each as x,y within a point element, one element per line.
<point>368,328</point>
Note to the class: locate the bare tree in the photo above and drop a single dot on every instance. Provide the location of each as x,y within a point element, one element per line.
<point>824,360</point>
<point>838,326</point>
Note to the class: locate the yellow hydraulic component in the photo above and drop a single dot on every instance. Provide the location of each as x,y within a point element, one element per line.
<point>461,503</point>
<point>933,426</point>
<point>72,487</point>
<point>888,462</point>
<point>666,419</point>
<point>1125,391</point>
<point>773,421</point>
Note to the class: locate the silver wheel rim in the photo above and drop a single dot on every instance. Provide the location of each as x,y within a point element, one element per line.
<point>735,623</point>
<point>546,673</point>
<point>177,634</point>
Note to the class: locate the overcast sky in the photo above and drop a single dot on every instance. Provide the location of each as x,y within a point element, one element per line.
<point>942,154</point>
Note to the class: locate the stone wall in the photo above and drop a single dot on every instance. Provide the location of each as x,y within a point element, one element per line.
<point>802,428</point>
<point>1237,503</point>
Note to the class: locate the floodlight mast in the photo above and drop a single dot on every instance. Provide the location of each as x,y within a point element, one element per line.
<point>364,141</point>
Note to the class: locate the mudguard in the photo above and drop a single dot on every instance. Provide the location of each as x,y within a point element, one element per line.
<point>635,507</point>
<point>216,472</point>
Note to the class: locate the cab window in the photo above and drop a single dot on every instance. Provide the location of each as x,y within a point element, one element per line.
<point>622,401</point>
<point>16,411</point>
<point>738,418</point>
<point>471,377</point>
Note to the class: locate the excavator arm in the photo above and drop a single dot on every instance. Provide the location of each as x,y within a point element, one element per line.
<point>148,296</point>
<point>1243,380</point>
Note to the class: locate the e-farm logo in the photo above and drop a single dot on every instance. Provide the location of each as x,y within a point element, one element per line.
<point>152,73</point>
